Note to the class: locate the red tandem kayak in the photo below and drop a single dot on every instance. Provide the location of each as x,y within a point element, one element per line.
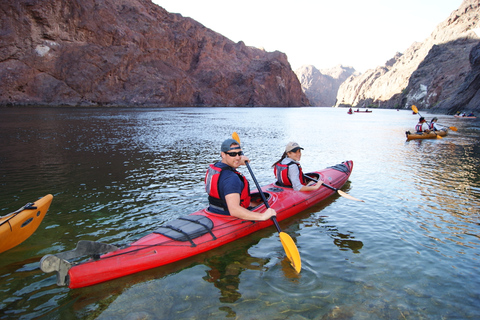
<point>465,117</point>
<point>184,237</point>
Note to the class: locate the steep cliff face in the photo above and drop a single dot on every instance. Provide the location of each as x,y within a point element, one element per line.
<point>467,97</point>
<point>321,86</point>
<point>439,75</point>
<point>131,53</point>
<point>426,73</point>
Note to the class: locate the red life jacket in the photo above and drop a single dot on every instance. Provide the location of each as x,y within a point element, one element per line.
<point>281,173</point>
<point>211,186</point>
<point>419,127</point>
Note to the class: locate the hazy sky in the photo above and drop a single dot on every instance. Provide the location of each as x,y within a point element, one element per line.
<point>324,33</point>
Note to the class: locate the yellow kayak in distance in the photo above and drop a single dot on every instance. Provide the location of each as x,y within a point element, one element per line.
<point>430,135</point>
<point>18,226</point>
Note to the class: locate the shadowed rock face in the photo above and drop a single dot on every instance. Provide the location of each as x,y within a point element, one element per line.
<point>427,74</point>
<point>467,96</point>
<point>131,53</point>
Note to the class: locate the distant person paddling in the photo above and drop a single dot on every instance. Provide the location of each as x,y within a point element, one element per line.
<point>422,126</point>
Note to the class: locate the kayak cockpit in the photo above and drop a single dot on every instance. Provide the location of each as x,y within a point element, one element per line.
<point>256,200</point>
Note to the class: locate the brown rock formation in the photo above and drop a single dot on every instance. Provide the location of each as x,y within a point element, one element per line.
<point>426,73</point>
<point>131,53</point>
<point>321,86</point>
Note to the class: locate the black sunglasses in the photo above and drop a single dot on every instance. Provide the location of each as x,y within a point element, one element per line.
<point>234,154</point>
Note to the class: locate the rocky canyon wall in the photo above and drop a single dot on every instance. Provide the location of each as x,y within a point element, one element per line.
<point>427,74</point>
<point>321,86</point>
<point>131,53</point>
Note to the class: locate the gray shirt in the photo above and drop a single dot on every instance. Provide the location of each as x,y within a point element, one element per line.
<point>293,174</point>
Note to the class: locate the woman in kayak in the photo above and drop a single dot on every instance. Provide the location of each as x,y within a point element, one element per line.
<point>288,170</point>
<point>228,190</point>
<point>434,126</point>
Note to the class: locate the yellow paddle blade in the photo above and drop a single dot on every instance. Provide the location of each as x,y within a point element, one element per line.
<point>346,195</point>
<point>439,137</point>
<point>453,128</point>
<point>236,137</point>
<point>291,250</point>
<point>288,245</point>
<point>414,108</point>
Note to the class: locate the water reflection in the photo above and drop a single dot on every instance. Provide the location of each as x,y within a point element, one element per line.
<point>225,272</point>
<point>344,240</point>
<point>446,212</point>
<point>118,173</point>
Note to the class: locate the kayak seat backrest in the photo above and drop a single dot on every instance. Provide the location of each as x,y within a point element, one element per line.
<point>282,185</point>
<point>187,228</point>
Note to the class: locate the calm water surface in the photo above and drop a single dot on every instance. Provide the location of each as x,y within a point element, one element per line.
<point>410,251</point>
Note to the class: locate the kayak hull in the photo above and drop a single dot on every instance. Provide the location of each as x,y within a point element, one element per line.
<point>465,117</point>
<point>18,226</point>
<point>431,135</point>
<point>155,250</point>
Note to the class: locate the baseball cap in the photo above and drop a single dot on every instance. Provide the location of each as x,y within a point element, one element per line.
<point>292,147</point>
<point>227,143</point>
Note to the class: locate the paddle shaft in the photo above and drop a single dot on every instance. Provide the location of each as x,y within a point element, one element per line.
<point>326,185</point>
<point>340,192</point>
<point>262,195</point>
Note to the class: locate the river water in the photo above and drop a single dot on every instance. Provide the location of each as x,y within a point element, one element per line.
<point>410,251</point>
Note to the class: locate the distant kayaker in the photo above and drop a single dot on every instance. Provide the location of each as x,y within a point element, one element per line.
<point>422,126</point>
<point>228,190</point>
<point>288,170</point>
<point>434,126</point>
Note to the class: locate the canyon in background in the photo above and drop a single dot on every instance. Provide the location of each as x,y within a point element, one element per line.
<point>135,53</point>
<point>442,73</point>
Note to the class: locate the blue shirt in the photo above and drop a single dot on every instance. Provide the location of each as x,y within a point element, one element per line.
<point>228,182</point>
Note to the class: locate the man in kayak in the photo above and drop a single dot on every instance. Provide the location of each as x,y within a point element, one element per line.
<point>228,190</point>
<point>288,170</point>
<point>422,126</point>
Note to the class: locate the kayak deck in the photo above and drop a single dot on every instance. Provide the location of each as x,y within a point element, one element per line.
<point>184,237</point>
<point>18,226</point>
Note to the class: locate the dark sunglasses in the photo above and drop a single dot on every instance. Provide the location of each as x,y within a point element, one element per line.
<point>234,154</point>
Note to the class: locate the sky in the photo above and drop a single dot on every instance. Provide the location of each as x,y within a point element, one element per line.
<point>323,33</point>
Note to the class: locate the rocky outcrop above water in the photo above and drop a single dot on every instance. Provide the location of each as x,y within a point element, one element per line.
<point>321,86</point>
<point>131,53</point>
<point>467,97</point>
<point>427,74</point>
